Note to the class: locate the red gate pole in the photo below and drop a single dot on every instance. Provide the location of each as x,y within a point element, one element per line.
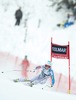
<point>69,65</point>
<point>51,50</point>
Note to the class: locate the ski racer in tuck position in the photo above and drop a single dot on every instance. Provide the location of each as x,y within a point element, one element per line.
<point>46,72</point>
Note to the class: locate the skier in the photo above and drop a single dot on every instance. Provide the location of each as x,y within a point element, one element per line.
<point>25,64</point>
<point>18,16</point>
<point>46,73</point>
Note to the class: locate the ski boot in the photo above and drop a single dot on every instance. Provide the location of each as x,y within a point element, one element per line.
<point>16,80</point>
<point>31,84</point>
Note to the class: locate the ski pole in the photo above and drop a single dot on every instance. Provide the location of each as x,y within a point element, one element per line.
<point>17,70</point>
<point>25,70</point>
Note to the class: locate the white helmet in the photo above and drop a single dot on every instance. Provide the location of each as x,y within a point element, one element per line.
<point>49,63</point>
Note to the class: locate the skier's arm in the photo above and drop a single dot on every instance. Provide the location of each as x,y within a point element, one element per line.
<point>52,78</point>
<point>38,67</point>
<point>52,73</point>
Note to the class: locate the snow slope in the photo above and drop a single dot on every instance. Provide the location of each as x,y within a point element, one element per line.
<point>12,91</point>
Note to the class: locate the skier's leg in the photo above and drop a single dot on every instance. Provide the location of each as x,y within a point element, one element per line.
<point>36,79</point>
<point>43,80</point>
<point>33,81</point>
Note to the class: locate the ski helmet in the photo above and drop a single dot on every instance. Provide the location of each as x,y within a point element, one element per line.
<point>49,63</point>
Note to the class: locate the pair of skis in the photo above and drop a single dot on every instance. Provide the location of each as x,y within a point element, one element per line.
<point>25,81</point>
<point>29,83</point>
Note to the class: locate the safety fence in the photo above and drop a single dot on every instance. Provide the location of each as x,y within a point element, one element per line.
<point>9,63</point>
